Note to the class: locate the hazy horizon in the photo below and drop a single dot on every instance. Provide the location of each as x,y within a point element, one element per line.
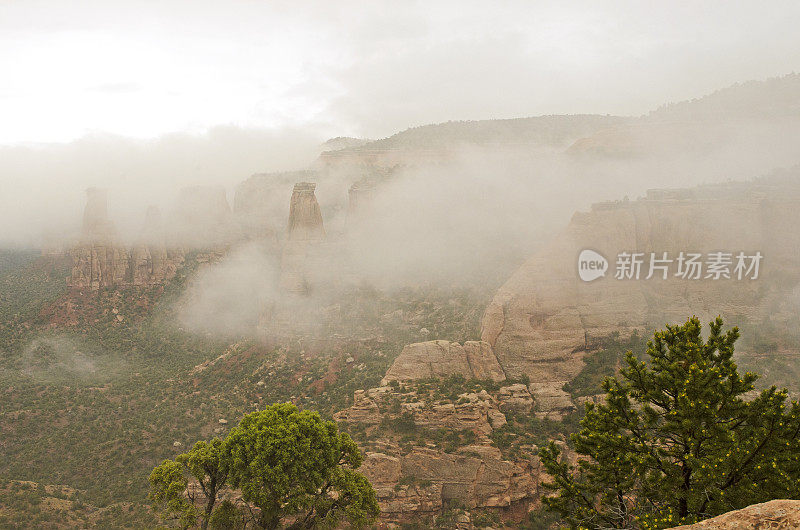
<point>140,70</point>
<point>145,99</point>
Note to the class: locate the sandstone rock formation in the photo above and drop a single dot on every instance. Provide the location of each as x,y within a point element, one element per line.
<point>441,358</point>
<point>551,401</point>
<point>516,397</point>
<point>434,479</point>
<point>150,261</point>
<point>777,514</point>
<point>414,482</point>
<point>100,261</point>
<point>478,412</point>
<point>544,319</point>
<point>304,234</point>
<point>305,217</point>
<point>259,203</point>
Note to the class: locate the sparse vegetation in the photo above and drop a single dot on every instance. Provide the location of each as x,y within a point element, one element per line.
<point>153,384</point>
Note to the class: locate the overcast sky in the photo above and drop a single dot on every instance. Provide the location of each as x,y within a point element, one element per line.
<point>368,69</point>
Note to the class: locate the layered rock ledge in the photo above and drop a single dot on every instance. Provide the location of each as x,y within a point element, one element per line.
<point>545,318</point>
<point>778,515</point>
<point>441,358</point>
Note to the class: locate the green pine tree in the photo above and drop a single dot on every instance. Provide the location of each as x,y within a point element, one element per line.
<point>676,441</point>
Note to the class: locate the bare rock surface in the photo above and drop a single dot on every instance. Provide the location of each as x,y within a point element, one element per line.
<point>100,261</point>
<point>425,480</point>
<point>545,318</point>
<point>422,479</point>
<point>515,397</point>
<point>777,515</point>
<point>441,358</point>
<point>551,400</point>
<point>304,233</point>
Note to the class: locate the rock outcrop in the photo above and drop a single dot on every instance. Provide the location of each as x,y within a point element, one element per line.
<point>441,358</point>
<point>421,479</point>
<point>551,401</point>
<point>259,204</point>
<point>150,260</point>
<point>304,234</point>
<point>777,514</point>
<point>100,261</point>
<point>545,318</point>
<point>478,412</point>
<point>424,481</point>
<point>414,482</point>
<point>305,216</point>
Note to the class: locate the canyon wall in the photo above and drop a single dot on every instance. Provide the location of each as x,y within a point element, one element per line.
<point>420,480</point>
<point>545,318</point>
<point>100,261</point>
<point>150,260</point>
<point>440,358</point>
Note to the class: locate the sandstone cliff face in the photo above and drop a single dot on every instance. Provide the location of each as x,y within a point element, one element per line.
<point>99,261</point>
<point>484,481</point>
<point>777,514</point>
<point>440,358</point>
<point>542,321</point>
<point>98,265</point>
<point>151,262</point>
<point>412,482</point>
<point>421,478</point>
<point>478,412</point>
<point>304,234</point>
<point>305,217</point>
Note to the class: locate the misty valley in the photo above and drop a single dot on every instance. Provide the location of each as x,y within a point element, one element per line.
<point>572,320</point>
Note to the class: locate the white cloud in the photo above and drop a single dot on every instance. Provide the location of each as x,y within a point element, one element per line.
<point>368,68</point>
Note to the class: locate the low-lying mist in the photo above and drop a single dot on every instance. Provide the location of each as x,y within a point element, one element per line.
<point>43,185</point>
<point>460,204</point>
<point>57,357</point>
<point>470,221</point>
<point>226,298</point>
